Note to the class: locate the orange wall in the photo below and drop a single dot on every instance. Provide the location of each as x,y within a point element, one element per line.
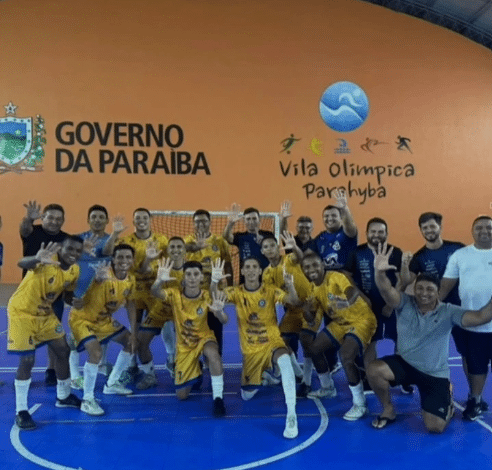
<point>238,78</point>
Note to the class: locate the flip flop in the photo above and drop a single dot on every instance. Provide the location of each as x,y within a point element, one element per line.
<point>382,421</point>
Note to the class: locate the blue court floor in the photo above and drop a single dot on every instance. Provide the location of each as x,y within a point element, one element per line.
<point>152,430</point>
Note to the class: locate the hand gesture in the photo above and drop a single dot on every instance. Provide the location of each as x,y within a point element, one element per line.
<point>201,240</point>
<point>77,303</point>
<point>381,259</point>
<point>406,257</point>
<point>235,214</point>
<point>288,277</point>
<point>338,303</point>
<point>219,299</point>
<point>288,240</point>
<point>164,270</point>
<point>90,245</point>
<point>45,254</point>
<point>118,225</point>
<point>218,271</point>
<point>102,270</point>
<point>33,210</point>
<point>285,209</point>
<point>340,199</point>
<point>152,251</point>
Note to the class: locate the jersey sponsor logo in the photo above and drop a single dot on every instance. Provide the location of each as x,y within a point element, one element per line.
<point>21,142</point>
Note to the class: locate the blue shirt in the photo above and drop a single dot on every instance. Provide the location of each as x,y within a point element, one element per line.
<point>249,248</point>
<point>335,248</point>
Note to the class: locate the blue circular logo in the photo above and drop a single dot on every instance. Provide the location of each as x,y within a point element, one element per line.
<point>344,106</point>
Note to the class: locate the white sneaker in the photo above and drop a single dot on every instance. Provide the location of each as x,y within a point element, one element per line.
<point>329,392</point>
<point>105,369</point>
<point>267,378</point>
<point>91,407</point>
<point>78,383</point>
<point>356,412</point>
<point>116,389</point>
<point>291,431</point>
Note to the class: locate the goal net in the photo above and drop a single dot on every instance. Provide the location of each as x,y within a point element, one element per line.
<point>180,224</point>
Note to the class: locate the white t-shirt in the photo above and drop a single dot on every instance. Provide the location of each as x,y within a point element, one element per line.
<point>473,268</point>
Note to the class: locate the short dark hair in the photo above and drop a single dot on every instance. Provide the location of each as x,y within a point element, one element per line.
<point>54,207</point>
<point>331,206</point>
<point>202,212</point>
<point>376,220</point>
<point>304,218</point>
<point>429,278</point>
<point>249,258</point>
<point>426,216</point>
<point>176,238</point>
<point>123,246</point>
<point>73,238</point>
<point>311,255</point>
<point>268,237</point>
<point>97,207</point>
<point>481,217</point>
<point>141,209</point>
<point>249,210</point>
<point>192,264</point>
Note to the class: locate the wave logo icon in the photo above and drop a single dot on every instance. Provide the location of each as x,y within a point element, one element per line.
<point>344,106</point>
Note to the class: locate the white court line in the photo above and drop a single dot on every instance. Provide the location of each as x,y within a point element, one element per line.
<point>147,395</point>
<point>479,420</point>
<point>19,447</point>
<point>275,458</point>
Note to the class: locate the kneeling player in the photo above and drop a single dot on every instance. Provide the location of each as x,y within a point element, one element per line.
<point>92,325</point>
<point>262,345</point>
<point>32,322</point>
<point>190,305</point>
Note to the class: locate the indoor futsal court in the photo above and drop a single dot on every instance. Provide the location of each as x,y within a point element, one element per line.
<point>152,430</point>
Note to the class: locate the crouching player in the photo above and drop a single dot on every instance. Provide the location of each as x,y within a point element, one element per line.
<point>190,305</point>
<point>92,325</point>
<point>262,345</point>
<point>32,322</point>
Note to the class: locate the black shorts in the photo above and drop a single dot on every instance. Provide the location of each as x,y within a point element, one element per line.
<point>435,392</point>
<point>386,327</point>
<point>478,352</point>
<point>459,337</point>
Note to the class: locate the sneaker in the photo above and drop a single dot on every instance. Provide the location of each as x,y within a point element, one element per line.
<point>147,381</point>
<point>219,408</point>
<point>116,389</point>
<point>50,377</point>
<point>367,388</point>
<point>328,392</point>
<point>291,431</point>
<point>303,390</point>
<point>484,405</point>
<point>78,383</point>
<point>473,410</point>
<point>91,407</point>
<point>406,389</point>
<point>356,412</point>
<point>24,421</point>
<point>170,366</point>
<point>267,378</point>
<point>70,402</point>
<point>129,375</point>
<point>105,369</point>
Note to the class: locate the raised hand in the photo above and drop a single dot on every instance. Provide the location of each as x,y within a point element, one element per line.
<point>218,271</point>
<point>286,209</point>
<point>118,225</point>
<point>152,251</point>
<point>201,240</point>
<point>340,198</point>
<point>406,257</point>
<point>382,256</point>
<point>235,214</point>
<point>338,303</point>
<point>288,240</point>
<point>45,253</point>
<point>288,277</point>
<point>219,299</point>
<point>90,245</point>
<point>102,270</point>
<point>33,210</point>
<point>164,270</point>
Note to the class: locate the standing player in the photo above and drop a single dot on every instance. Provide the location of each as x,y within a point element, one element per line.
<point>92,324</point>
<point>190,305</point>
<point>206,247</point>
<point>32,322</point>
<point>160,319</point>
<point>350,330</point>
<point>32,236</point>
<point>262,345</point>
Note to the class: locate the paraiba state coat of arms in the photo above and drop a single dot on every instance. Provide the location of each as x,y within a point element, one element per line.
<point>22,142</point>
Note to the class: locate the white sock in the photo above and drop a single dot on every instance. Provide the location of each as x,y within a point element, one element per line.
<point>21,392</point>
<point>148,368</point>
<point>90,376</point>
<point>307,370</point>
<point>122,362</point>
<point>326,380</point>
<point>295,365</point>
<point>74,361</point>
<point>358,394</point>
<point>248,394</point>
<point>217,386</point>
<point>104,357</point>
<point>168,335</point>
<point>288,382</point>
<point>63,389</point>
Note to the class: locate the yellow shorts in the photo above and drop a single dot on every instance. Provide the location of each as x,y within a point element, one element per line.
<point>292,321</point>
<point>362,327</point>
<point>187,367</point>
<point>144,300</point>
<point>159,314</point>
<point>255,363</point>
<point>102,329</point>
<point>28,332</point>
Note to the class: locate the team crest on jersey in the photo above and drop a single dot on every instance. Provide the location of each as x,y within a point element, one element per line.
<point>336,246</point>
<point>199,311</point>
<point>331,260</point>
<point>21,142</point>
<point>262,303</point>
<point>51,280</point>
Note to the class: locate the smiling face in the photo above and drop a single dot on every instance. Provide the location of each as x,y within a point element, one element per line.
<point>431,230</point>
<point>141,221</point>
<point>252,222</point>
<point>122,261</point>
<point>70,252</point>
<point>202,224</point>
<point>176,250</point>
<point>251,271</point>
<point>270,249</point>
<point>313,269</point>
<point>193,278</point>
<point>332,219</point>
<point>482,233</point>
<point>97,221</point>
<point>426,295</point>
<point>52,221</point>
<point>376,233</point>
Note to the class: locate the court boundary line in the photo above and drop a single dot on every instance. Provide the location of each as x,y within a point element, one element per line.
<point>479,420</point>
